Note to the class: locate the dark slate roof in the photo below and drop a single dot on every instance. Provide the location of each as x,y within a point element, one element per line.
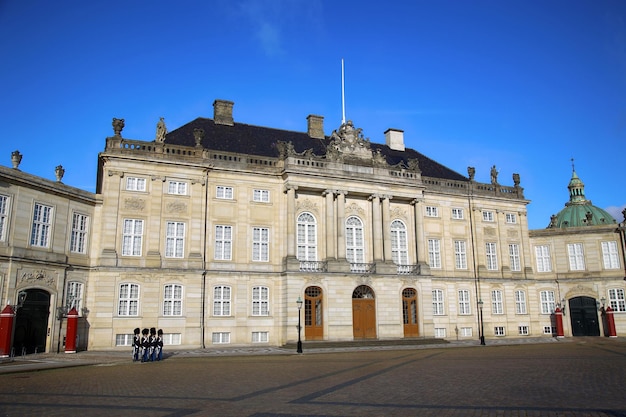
<point>261,141</point>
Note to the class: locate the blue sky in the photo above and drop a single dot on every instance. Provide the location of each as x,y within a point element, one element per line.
<point>523,85</point>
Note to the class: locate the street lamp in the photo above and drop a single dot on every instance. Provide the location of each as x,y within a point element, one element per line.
<point>482,324</point>
<point>299,302</point>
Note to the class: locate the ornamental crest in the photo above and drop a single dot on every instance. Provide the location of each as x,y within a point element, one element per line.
<point>176,207</point>
<point>39,277</point>
<point>134,203</point>
<point>354,208</point>
<point>306,205</point>
<point>348,141</point>
<point>397,212</point>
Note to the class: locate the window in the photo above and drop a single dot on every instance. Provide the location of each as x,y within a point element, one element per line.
<point>399,246</point>
<point>466,332</point>
<point>135,184</point>
<point>542,253</point>
<point>175,240</point>
<point>260,301</point>
<point>223,242</point>
<point>464,302</point>
<point>173,300</point>
<point>434,253</point>
<point>260,244</point>
<point>355,247</point>
<point>549,330</point>
<point>511,218</point>
<point>520,302</point>
<point>498,331</point>
<point>523,330</point>
<point>307,237</point>
<point>124,340</point>
<point>221,300</point>
<point>576,257</point>
<point>514,257</point>
<point>547,302</point>
<point>78,237</point>
<point>432,211</point>
<point>457,213</point>
<point>177,187</point>
<point>488,216</point>
<point>171,338</point>
<point>609,255</point>
<point>132,237</point>
<point>128,303</point>
<point>496,302</point>
<point>4,215</point>
<point>260,337</point>
<point>440,332</point>
<point>42,221</point>
<point>261,196</point>
<point>616,299</point>
<point>74,296</point>
<point>438,307</point>
<point>460,254</point>
<point>492,256</point>
<point>218,338</point>
<point>224,192</point>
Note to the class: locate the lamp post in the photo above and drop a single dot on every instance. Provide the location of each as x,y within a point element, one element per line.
<point>299,302</point>
<point>482,326</point>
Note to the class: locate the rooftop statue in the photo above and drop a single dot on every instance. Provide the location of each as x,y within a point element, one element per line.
<point>494,175</point>
<point>118,126</point>
<point>161,131</point>
<point>348,141</point>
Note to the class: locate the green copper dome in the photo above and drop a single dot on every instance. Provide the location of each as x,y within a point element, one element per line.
<point>579,211</point>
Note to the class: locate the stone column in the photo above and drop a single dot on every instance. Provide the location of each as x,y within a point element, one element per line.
<point>377,228</point>
<point>420,243</point>
<point>386,228</point>
<point>330,224</point>
<point>341,224</point>
<point>291,220</point>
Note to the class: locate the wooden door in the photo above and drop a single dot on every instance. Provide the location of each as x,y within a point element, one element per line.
<point>584,316</point>
<point>363,313</point>
<point>409,312</point>
<point>313,323</point>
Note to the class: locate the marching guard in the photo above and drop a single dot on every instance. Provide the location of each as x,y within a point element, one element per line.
<point>159,345</point>
<point>136,345</point>
<point>145,345</point>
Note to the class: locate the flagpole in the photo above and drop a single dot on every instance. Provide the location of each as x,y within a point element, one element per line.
<point>343,95</point>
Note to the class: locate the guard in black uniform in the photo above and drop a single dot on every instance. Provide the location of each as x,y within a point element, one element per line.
<point>136,345</point>
<point>159,346</point>
<point>145,345</point>
<point>153,343</point>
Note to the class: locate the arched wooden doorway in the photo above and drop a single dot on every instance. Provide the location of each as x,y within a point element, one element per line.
<point>363,313</point>
<point>313,324</point>
<point>31,323</point>
<point>584,316</point>
<point>409,312</point>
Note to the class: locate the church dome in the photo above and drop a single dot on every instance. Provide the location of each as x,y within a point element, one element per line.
<point>579,211</point>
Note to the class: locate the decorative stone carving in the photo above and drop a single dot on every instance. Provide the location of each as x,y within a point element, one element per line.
<point>397,212</point>
<point>364,280</point>
<point>414,165</point>
<point>471,171</point>
<point>354,208</point>
<point>176,207</point>
<point>134,203</point>
<point>348,141</point>
<point>112,172</point>
<point>490,231</point>
<point>512,234</point>
<point>307,205</point>
<point>516,180</point>
<point>494,175</point>
<point>379,159</point>
<point>198,135</point>
<point>161,131</point>
<point>285,149</point>
<point>39,277</point>
<point>59,172</point>
<point>118,126</point>
<point>16,158</point>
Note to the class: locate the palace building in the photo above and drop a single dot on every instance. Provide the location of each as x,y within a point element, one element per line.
<point>214,231</point>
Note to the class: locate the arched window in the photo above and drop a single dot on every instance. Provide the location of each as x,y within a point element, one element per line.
<point>399,247</point>
<point>355,248</point>
<point>307,237</point>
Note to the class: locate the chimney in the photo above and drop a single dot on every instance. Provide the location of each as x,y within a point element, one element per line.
<point>394,138</point>
<point>223,112</point>
<point>315,126</point>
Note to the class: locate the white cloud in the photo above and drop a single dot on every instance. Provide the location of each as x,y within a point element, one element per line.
<point>616,212</point>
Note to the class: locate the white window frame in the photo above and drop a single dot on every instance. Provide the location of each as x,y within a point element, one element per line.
<point>548,302</point>
<point>132,237</point>
<point>499,331</point>
<point>355,243</point>
<point>222,300</point>
<point>491,256</point>
<point>135,184</point>
<point>457,213</point>
<point>523,330</point>
<point>260,301</point>
<point>576,255</point>
<point>460,254</point>
<point>220,338</point>
<point>617,301</point>
<point>466,332</point>
<point>260,337</point>
<point>42,225</point>
<point>223,243</point>
<point>399,243</point>
<point>4,216</point>
<point>261,196</point>
<point>124,339</point>
<point>514,257</point>
<point>511,218</point>
<point>78,236</point>
<point>441,332</point>
<point>224,192</point>
<point>549,330</point>
<point>434,253</point>
<point>172,339</point>
<point>464,302</point>
<point>438,303</point>
<point>520,302</point>
<point>74,296</point>
<point>610,255</point>
<point>488,216</point>
<point>542,256</point>
<point>177,187</point>
<point>173,300</point>
<point>175,239</point>
<point>432,211</point>
<point>260,244</point>
<point>497,303</point>
<point>306,231</point>
<point>128,300</point>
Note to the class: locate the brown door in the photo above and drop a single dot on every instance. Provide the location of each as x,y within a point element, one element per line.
<point>313,324</point>
<point>363,313</point>
<point>409,312</point>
